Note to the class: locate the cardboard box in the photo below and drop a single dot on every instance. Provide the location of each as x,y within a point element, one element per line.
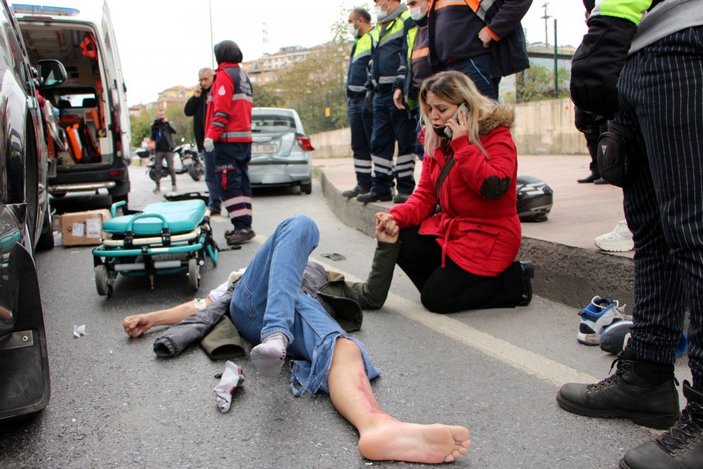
<point>83,228</point>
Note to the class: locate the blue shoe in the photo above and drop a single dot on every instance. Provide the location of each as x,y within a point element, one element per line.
<point>615,337</point>
<point>595,317</point>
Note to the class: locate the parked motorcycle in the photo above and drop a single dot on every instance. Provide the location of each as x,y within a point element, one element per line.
<point>187,160</point>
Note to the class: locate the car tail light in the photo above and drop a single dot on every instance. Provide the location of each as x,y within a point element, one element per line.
<point>116,173</point>
<point>305,143</point>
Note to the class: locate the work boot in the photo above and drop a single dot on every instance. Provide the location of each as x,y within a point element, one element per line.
<point>236,237</point>
<point>590,178</point>
<point>372,196</point>
<point>641,391</point>
<point>528,272</point>
<point>354,192</point>
<point>679,448</point>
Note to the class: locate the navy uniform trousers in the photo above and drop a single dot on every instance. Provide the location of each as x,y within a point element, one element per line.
<point>661,100</point>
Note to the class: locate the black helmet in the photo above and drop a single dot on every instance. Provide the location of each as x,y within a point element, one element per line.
<point>534,199</point>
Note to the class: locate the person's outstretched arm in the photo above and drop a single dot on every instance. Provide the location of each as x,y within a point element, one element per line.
<point>373,293</point>
<point>382,437</point>
<point>137,324</point>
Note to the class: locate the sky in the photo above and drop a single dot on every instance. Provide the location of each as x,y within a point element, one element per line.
<point>164,43</point>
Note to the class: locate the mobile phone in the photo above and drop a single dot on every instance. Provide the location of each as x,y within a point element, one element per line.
<point>463,108</point>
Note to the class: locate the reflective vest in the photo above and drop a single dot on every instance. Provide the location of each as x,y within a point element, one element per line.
<point>358,64</point>
<point>386,55</point>
<point>229,105</point>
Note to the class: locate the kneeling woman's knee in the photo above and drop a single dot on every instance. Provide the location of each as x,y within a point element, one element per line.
<point>434,302</point>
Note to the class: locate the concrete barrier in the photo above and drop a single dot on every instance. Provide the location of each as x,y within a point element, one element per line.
<point>541,128</point>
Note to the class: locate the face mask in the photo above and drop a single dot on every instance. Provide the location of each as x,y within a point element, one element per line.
<point>416,13</point>
<point>352,30</point>
<point>380,13</point>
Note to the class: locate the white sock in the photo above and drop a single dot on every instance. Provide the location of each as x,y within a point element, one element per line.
<point>268,356</point>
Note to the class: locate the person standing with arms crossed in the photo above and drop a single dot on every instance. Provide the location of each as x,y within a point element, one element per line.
<point>360,118</point>
<point>196,107</point>
<point>228,135</point>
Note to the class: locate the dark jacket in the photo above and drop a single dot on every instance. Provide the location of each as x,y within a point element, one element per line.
<point>385,59</point>
<point>454,28</point>
<point>346,299</point>
<point>162,134</point>
<point>196,107</point>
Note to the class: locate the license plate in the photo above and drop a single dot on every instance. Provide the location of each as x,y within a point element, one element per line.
<point>264,148</point>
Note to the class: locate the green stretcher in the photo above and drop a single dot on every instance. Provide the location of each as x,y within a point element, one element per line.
<point>164,238</point>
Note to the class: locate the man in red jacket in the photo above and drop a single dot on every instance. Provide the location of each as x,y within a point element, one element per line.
<point>228,134</point>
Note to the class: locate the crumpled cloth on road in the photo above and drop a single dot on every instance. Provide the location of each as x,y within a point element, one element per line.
<point>232,377</point>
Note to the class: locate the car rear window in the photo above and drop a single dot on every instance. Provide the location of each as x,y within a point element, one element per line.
<point>272,123</point>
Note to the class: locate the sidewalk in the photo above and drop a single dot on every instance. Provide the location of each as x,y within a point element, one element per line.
<point>571,269</point>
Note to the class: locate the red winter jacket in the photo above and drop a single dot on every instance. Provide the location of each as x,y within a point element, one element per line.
<point>480,235</point>
<point>229,105</point>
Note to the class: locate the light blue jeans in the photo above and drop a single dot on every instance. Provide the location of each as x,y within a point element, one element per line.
<point>268,299</point>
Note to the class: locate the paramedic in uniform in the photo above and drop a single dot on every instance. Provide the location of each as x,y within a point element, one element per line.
<point>228,134</point>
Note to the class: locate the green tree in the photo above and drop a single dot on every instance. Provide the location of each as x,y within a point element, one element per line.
<point>182,123</point>
<point>265,95</point>
<point>537,83</point>
<point>141,127</point>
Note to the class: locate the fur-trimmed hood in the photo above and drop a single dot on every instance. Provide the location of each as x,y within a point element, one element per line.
<point>501,116</point>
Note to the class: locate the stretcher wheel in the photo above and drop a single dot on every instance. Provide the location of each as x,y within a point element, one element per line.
<point>194,273</point>
<point>101,281</point>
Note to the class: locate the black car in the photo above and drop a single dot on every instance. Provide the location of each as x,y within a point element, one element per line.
<point>24,220</point>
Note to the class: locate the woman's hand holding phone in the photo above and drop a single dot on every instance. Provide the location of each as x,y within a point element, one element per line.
<point>458,125</point>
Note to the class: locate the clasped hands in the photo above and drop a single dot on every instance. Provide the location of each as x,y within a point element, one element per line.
<point>386,228</point>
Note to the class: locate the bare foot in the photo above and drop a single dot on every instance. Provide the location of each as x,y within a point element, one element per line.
<point>412,442</point>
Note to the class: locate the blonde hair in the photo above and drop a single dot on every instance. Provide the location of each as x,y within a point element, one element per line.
<point>456,88</point>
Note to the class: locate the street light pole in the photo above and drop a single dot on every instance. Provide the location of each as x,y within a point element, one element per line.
<point>212,43</point>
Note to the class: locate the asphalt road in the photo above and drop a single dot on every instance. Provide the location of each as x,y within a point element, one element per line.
<point>115,404</point>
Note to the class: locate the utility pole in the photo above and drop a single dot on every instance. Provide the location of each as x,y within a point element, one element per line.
<point>546,18</point>
<point>265,37</point>
<point>556,62</point>
<point>212,43</point>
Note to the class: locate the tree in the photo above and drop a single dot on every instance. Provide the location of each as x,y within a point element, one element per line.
<point>537,83</point>
<point>141,127</point>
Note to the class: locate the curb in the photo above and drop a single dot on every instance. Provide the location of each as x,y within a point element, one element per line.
<point>565,274</point>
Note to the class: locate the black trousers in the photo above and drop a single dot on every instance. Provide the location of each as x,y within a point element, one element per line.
<point>451,289</point>
<point>661,100</point>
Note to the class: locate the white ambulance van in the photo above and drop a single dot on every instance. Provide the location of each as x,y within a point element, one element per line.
<point>92,151</point>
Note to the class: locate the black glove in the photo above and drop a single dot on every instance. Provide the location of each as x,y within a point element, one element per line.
<point>369,100</point>
<point>596,66</point>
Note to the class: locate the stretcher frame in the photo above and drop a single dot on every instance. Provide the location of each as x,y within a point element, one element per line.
<point>143,256</point>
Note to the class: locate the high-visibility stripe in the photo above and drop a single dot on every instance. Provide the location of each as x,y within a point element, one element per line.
<point>361,55</point>
<point>240,199</point>
<point>244,212</point>
<point>420,53</point>
<point>222,114</point>
<point>356,88</point>
<point>389,37</point>
<point>477,6</point>
<point>410,157</point>
<point>386,80</point>
<point>242,96</point>
<point>362,163</point>
<point>219,124</point>
<point>235,134</point>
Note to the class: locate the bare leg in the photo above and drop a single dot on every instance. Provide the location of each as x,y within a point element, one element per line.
<point>381,437</point>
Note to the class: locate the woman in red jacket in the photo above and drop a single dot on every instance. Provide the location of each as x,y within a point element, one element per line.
<point>460,233</point>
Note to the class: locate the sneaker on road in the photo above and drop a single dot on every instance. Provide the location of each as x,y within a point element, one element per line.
<point>595,317</point>
<point>618,240</point>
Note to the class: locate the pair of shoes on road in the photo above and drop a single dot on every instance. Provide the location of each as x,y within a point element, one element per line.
<point>352,193</point>
<point>528,273</point>
<point>596,316</point>
<point>618,240</point>
<point>614,338</point>
<point>236,237</point>
<point>645,393</point>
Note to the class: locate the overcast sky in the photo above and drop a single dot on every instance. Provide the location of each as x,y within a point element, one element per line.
<point>163,43</point>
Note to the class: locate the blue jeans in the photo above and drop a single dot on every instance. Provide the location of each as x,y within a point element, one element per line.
<point>268,299</point>
<point>478,69</point>
<point>214,197</point>
<point>360,124</point>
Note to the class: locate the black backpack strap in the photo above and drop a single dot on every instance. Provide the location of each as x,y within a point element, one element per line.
<point>442,176</point>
